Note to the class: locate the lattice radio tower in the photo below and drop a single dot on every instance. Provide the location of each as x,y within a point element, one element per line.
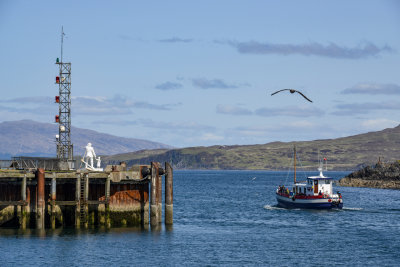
<point>64,146</point>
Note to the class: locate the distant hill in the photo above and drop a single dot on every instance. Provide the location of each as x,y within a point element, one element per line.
<point>30,138</point>
<point>347,153</point>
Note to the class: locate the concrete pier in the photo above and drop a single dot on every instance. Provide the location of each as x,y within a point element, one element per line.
<point>118,196</point>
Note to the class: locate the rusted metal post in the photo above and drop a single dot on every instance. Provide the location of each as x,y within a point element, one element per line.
<point>159,192</point>
<point>169,207</point>
<point>40,206</point>
<point>86,198</point>
<point>53,200</point>
<point>24,206</point>
<point>77,199</point>
<point>145,205</point>
<point>107,204</point>
<point>153,201</point>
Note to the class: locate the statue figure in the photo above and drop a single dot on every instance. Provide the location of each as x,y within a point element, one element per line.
<point>98,162</point>
<point>90,154</point>
<point>87,159</point>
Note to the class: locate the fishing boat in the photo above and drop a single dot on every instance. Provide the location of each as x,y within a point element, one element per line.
<point>314,193</point>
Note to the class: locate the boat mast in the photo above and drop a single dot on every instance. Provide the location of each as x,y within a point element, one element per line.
<point>294,148</point>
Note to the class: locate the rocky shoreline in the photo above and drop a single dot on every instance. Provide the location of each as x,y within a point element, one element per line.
<point>381,175</point>
<point>360,182</point>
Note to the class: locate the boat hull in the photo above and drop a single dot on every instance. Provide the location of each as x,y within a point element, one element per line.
<point>322,203</point>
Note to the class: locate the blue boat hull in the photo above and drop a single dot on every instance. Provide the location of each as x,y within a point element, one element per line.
<point>288,203</point>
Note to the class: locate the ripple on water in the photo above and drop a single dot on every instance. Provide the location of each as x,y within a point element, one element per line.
<point>226,218</point>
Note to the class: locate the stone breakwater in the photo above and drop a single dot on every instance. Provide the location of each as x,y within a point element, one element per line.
<point>379,176</point>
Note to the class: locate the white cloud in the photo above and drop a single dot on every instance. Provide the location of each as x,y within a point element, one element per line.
<point>169,86</point>
<point>204,83</point>
<point>176,40</point>
<point>378,124</point>
<point>364,108</point>
<point>291,111</point>
<point>373,89</point>
<point>232,110</point>
<point>174,126</point>
<point>331,50</point>
<point>302,125</point>
<point>211,137</point>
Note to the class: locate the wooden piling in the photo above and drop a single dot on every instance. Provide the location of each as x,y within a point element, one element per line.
<point>159,193</point>
<point>40,205</point>
<point>53,204</point>
<point>77,199</point>
<point>23,188</point>
<point>86,198</point>
<point>107,204</point>
<point>169,207</point>
<point>24,206</point>
<point>153,201</point>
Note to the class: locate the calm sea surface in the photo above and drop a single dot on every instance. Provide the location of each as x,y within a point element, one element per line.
<point>229,218</point>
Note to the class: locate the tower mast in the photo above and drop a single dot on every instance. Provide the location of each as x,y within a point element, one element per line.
<point>62,42</point>
<point>64,146</point>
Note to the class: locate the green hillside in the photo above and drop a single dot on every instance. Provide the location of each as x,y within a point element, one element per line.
<point>347,153</point>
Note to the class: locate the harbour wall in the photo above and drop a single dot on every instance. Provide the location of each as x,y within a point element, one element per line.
<point>115,197</point>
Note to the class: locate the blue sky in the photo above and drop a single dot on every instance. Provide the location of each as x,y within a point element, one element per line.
<point>191,73</point>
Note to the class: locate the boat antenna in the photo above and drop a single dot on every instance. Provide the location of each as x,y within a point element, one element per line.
<point>294,149</point>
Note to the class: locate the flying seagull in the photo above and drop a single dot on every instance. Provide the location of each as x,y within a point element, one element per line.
<point>292,91</point>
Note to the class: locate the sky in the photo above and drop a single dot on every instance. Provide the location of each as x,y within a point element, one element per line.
<point>201,73</point>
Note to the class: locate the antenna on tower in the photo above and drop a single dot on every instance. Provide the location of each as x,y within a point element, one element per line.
<point>62,42</point>
<point>63,139</point>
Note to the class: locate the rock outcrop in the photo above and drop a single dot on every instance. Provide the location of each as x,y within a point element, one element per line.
<point>379,176</point>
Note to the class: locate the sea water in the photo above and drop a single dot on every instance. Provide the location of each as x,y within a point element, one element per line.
<point>229,218</point>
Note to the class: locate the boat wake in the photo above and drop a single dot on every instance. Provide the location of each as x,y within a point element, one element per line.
<point>274,207</point>
<point>347,208</point>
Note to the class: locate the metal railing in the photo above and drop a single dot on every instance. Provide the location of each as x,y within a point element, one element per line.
<point>23,163</point>
<point>5,164</point>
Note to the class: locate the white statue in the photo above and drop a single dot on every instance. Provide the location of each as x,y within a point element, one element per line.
<point>98,162</point>
<point>88,159</point>
<point>90,154</point>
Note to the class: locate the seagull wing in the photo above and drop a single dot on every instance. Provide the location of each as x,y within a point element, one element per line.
<point>279,91</point>
<point>303,96</point>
